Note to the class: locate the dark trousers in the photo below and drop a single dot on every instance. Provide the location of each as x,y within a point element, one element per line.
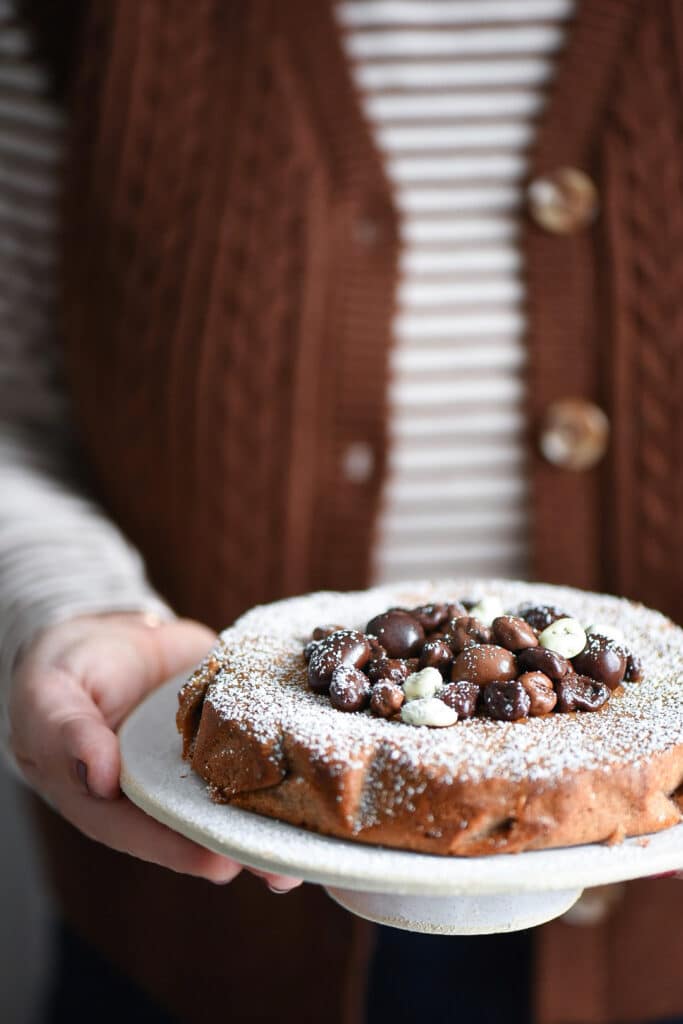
<point>413,978</point>
<point>482,979</point>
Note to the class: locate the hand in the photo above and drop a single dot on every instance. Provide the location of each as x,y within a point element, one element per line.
<point>71,691</point>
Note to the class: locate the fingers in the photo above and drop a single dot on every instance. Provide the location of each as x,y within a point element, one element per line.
<point>68,698</point>
<point>277,883</point>
<point>61,740</point>
<point>123,827</point>
<point>110,821</point>
<point>154,655</point>
<point>72,759</point>
<point>180,645</point>
<point>92,750</point>
<point>154,842</point>
<point>83,773</point>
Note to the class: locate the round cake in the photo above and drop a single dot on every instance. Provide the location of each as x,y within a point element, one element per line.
<point>266,738</point>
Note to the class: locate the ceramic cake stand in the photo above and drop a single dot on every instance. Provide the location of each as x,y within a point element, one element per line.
<point>415,891</point>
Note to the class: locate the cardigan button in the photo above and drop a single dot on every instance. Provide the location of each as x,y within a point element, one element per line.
<point>367,231</point>
<point>358,462</point>
<point>574,434</point>
<point>563,201</point>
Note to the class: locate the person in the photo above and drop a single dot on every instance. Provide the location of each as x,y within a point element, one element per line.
<point>315,330</point>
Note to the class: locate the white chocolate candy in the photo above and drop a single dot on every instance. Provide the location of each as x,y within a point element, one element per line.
<point>564,636</point>
<point>429,711</point>
<point>487,609</point>
<point>421,684</point>
<point>605,629</point>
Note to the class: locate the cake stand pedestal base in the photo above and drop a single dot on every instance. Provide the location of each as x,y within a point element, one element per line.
<point>458,915</point>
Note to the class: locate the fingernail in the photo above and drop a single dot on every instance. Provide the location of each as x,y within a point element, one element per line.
<point>82,772</point>
<point>277,892</point>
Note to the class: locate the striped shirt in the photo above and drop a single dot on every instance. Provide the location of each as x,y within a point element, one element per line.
<point>452,90</point>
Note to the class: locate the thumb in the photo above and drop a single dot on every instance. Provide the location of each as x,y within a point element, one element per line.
<point>92,746</point>
<point>179,646</point>
<point>120,663</point>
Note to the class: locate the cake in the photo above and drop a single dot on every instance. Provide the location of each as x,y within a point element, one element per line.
<point>269,731</point>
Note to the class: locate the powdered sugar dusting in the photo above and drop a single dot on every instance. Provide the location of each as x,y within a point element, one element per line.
<point>262,683</point>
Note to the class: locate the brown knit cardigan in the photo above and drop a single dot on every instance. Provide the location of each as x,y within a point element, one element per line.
<point>229,265</point>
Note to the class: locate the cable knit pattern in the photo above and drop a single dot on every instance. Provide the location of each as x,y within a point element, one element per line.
<point>644,160</point>
<point>211,257</point>
<point>255,304</point>
<point>563,288</point>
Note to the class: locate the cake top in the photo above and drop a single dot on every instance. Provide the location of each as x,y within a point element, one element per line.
<point>263,682</point>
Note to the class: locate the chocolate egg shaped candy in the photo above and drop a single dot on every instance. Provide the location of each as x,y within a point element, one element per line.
<point>467,630</point>
<point>580,693</point>
<point>320,633</point>
<point>398,632</point>
<point>462,697</point>
<point>538,659</point>
<point>483,664</point>
<point>513,633</point>
<point>436,654</point>
<point>386,699</point>
<point>349,689</point>
<point>539,616</point>
<point>352,646</point>
<point>506,701</point>
<point>603,660</point>
<point>430,616</point>
<point>345,647</point>
<point>391,670</point>
<point>321,666</point>
<point>541,692</point>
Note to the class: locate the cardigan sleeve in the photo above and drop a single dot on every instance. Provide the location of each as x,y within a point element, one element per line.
<point>59,554</point>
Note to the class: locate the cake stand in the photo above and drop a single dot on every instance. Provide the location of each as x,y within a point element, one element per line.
<point>415,891</point>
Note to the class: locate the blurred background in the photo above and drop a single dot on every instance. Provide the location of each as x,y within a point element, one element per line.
<point>24,913</point>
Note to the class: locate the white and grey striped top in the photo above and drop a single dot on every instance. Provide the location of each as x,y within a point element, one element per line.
<point>452,89</point>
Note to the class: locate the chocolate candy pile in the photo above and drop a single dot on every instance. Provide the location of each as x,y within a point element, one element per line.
<point>440,663</point>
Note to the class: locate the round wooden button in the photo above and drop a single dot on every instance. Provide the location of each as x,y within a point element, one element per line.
<point>574,434</point>
<point>563,201</point>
